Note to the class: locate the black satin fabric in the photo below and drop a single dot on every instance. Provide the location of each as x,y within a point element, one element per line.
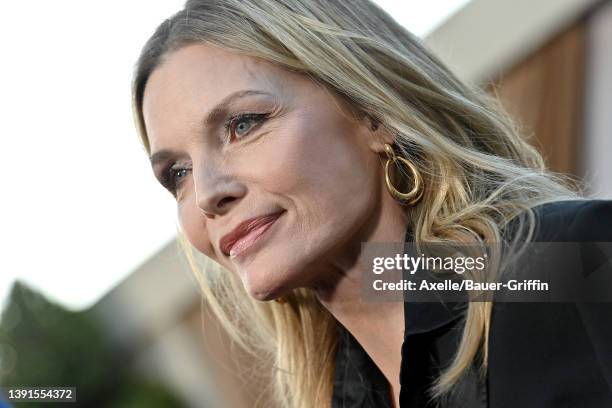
<point>540,354</point>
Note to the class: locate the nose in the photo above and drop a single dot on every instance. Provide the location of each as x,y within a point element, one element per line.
<point>216,192</point>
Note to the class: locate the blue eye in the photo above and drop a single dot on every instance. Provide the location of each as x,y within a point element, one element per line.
<point>239,126</point>
<point>178,174</point>
<point>173,177</point>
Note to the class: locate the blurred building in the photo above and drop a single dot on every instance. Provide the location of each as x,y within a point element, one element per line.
<point>550,61</point>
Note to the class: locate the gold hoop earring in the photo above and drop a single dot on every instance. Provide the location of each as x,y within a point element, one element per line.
<point>414,195</point>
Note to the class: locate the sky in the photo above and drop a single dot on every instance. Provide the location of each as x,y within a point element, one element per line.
<point>79,207</point>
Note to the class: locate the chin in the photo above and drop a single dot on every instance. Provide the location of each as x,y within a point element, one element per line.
<point>265,293</point>
<point>266,285</point>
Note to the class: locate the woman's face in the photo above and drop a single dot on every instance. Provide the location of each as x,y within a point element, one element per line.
<point>236,139</point>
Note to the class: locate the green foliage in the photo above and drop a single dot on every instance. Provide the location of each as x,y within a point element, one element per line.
<point>43,344</point>
<point>142,394</point>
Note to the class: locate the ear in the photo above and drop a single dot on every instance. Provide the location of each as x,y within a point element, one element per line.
<point>378,136</point>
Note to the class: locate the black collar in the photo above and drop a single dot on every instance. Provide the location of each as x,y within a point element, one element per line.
<point>358,383</point>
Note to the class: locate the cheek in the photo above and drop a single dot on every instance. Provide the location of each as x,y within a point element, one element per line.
<point>320,168</point>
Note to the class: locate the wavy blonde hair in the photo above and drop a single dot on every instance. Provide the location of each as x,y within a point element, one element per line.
<point>478,172</point>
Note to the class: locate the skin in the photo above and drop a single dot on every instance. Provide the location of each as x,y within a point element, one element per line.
<point>307,155</point>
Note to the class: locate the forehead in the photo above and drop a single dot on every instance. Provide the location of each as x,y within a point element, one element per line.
<point>194,78</point>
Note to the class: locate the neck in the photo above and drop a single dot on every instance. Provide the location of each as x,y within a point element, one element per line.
<point>377,326</point>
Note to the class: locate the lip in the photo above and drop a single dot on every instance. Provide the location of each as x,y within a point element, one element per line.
<point>246,233</point>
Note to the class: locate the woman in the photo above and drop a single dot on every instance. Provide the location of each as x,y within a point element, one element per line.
<point>292,131</point>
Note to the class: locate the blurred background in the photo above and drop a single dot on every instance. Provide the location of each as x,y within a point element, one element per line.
<point>93,290</point>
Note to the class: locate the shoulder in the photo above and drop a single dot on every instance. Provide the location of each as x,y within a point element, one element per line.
<point>574,220</point>
<point>578,220</point>
<point>563,349</point>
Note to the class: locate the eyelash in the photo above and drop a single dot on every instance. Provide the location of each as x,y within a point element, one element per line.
<point>168,177</point>
<point>169,173</point>
<point>232,120</point>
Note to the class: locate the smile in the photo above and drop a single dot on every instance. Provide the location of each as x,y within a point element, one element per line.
<point>247,241</point>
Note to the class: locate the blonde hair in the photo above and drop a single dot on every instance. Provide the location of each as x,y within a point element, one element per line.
<point>478,172</point>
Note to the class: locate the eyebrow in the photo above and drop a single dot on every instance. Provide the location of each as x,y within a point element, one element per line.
<point>211,117</point>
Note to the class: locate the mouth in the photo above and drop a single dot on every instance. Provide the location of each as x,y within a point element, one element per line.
<point>246,234</point>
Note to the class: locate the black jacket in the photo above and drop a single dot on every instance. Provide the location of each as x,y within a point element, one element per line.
<point>540,354</point>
